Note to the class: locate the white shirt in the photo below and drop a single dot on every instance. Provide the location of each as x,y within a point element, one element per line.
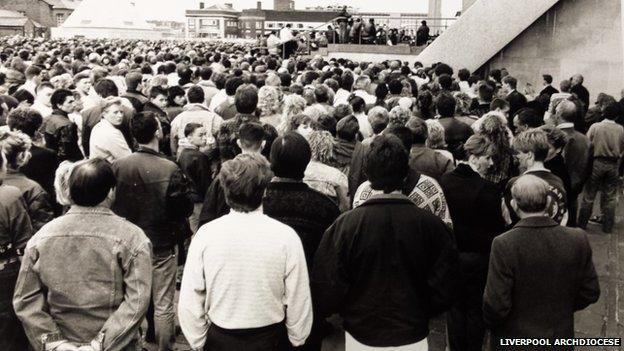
<point>272,44</point>
<point>341,97</point>
<point>365,127</point>
<point>245,270</point>
<point>217,100</point>
<point>368,98</point>
<point>107,142</point>
<point>30,87</point>
<point>285,34</point>
<point>45,111</point>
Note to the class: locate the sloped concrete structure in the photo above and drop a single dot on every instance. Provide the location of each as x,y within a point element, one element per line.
<point>117,19</point>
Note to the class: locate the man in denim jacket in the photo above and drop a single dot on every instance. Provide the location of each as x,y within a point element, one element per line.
<point>85,278</point>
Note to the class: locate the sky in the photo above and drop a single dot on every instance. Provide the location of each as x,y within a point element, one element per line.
<point>174,9</point>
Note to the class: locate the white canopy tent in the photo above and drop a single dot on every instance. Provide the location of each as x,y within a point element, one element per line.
<point>117,19</point>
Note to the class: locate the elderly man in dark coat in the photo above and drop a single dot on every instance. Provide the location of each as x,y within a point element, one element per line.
<point>540,273</point>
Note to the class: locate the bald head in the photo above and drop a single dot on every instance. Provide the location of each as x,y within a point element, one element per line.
<point>565,112</point>
<point>530,195</point>
<point>577,79</point>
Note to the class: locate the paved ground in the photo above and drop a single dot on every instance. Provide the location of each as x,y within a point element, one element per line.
<point>602,319</point>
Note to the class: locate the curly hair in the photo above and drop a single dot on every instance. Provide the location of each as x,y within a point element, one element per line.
<point>292,105</point>
<point>268,100</point>
<point>556,137</point>
<point>435,135</point>
<point>322,145</point>
<point>13,143</point>
<point>399,116</point>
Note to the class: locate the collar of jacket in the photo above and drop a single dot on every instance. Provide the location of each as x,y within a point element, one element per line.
<point>60,113</point>
<point>195,107</point>
<point>147,150</point>
<point>536,222</point>
<point>387,199</point>
<point>75,209</point>
<point>464,170</point>
<point>246,118</point>
<point>287,184</point>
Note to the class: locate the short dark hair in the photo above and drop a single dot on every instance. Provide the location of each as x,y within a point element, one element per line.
<point>386,163</point>
<point>347,128</point>
<point>91,181</point>
<point>463,74</point>
<point>285,79</point>
<point>498,104</point>
<point>205,73</point>
<point>445,105</point>
<point>445,81</point>
<point>232,84</point>
<point>251,134</point>
<point>133,80</point>
<point>26,120</point>
<point>195,95</point>
<point>404,134</point>
<point>357,103</point>
<point>529,117</point>
<point>513,82</point>
<point>143,126</point>
<point>157,90</point>
<point>612,110</point>
<point>321,94</point>
<point>419,129</point>
<point>534,141</point>
<point>443,68</point>
<point>395,86</point>
<point>290,155</point>
<point>547,78</point>
<point>106,88</point>
<point>246,98</point>
<point>173,92</point>
<point>190,128</point>
<point>24,95</point>
<point>59,96</point>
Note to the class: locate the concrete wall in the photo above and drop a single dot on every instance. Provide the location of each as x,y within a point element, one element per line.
<point>574,36</point>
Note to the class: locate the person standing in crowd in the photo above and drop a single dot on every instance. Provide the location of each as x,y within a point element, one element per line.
<point>579,90</point>
<point>380,283</point>
<point>531,149</point>
<point>607,138</point>
<point>107,141</point>
<point>153,193</point>
<point>61,134</point>
<point>288,41</point>
<point>15,231</point>
<point>195,112</point>
<point>157,104</point>
<point>576,153</point>
<point>515,98</point>
<point>16,147</point>
<point>548,88</point>
<point>245,283</point>
<point>251,139</point>
<point>422,158</point>
<point>43,161</point>
<point>455,132</point>
<point>134,86</point>
<point>227,109</point>
<point>42,103</point>
<point>102,302</point>
<point>197,166</point>
<point>531,292</point>
<point>246,101</point>
<point>474,228</point>
<point>422,34</point>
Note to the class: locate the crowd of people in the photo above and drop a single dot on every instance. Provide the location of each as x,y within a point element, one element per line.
<point>290,190</point>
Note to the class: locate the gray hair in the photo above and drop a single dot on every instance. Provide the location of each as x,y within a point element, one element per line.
<point>530,193</point>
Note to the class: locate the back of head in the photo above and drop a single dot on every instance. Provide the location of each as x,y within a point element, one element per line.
<point>378,118</point>
<point>565,86</point>
<point>347,128</point>
<point>547,78</point>
<point>143,127</point>
<point>528,117</point>
<point>566,111</point>
<point>195,95</point>
<point>499,104</point>
<point>290,155</point>
<point>13,144</point>
<point>232,84</point>
<point>612,111</point>
<point>251,136</point>
<point>246,98</point>
<point>358,104</point>
<point>513,82</point>
<point>244,180</point>
<point>445,105</point>
<point>419,130</point>
<point>404,134</point>
<point>530,194</point>
<point>477,145</point>
<point>25,120</point>
<point>534,141</point>
<point>105,88</point>
<point>133,80</point>
<point>446,82</point>
<point>90,182</point>
<point>386,163</point>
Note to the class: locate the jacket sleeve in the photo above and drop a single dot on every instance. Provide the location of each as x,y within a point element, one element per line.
<point>122,325</point>
<point>589,288</point>
<point>497,299</point>
<point>30,304</point>
<point>180,194</point>
<point>17,224</point>
<point>214,203</point>
<point>329,279</point>
<point>40,210</point>
<point>443,270</point>
<point>356,170</point>
<point>297,294</point>
<point>68,143</point>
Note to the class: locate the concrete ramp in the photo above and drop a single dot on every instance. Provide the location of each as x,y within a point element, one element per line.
<point>482,31</point>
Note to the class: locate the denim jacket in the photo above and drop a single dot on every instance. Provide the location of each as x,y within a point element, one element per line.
<point>85,278</point>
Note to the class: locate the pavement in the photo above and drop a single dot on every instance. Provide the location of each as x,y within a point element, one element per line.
<point>602,319</point>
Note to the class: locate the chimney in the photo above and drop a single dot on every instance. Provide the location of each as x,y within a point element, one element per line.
<point>201,5</point>
<point>259,5</point>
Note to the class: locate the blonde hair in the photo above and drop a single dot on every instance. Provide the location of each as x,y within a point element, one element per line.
<point>435,137</point>
<point>322,146</point>
<point>268,100</point>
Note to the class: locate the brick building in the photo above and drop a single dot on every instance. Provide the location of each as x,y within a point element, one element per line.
<point>48,13</point>
<point>15,23</point>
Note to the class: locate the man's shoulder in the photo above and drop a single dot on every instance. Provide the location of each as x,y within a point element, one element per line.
<point>9,194</point>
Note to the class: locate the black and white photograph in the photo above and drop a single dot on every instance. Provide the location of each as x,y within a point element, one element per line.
<point>311,175</point>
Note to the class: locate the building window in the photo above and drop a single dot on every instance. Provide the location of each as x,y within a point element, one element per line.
<point>280,25</point>
<point>270,25</point>
<point>191,23</point>
<point>59,19</point>
<point>300,25</point>
<point>258,24</point>
<point>247,25</point>
<point>207,23</point>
